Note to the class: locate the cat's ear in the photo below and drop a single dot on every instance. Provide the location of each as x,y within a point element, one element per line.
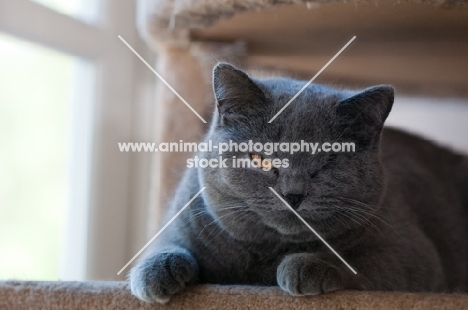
<point>363,114</point>
<point>235,92</point>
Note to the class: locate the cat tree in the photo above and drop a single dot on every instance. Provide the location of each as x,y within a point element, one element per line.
<point>420,46</point>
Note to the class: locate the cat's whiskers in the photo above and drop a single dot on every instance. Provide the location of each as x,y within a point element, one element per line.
<point>348,216</point>
<point>197,213</point>
<point>360,203</point>
<point>361,206</point>
<point>356,217</point>
<point>337,217</point>
<point>365,222</point>
<point>234,221</point>
<point>375,214</point>
<point>239,209</point>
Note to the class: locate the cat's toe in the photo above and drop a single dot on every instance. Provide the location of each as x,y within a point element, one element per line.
<point>162,275</point>
<point>305,274</point>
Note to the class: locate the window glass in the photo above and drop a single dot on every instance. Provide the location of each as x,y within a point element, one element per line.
<point>85,10</point>
<point>38,87</point>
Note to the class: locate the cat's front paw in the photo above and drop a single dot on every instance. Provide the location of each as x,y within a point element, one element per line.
<point>162,275</point>
<point>306,274</point>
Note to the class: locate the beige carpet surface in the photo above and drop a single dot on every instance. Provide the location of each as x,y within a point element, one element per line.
<point>115,295</point>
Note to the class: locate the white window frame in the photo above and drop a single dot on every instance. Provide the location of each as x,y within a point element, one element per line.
<point>117,184</point>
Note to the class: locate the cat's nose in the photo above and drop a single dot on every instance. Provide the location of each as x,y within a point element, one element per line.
<point>294,200</point>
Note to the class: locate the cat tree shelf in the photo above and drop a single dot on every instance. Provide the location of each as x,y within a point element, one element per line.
<point>419,46</point>
<point>115,296</point>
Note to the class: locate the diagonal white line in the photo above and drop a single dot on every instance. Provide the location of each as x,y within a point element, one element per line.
<point>313,230</point>
<point>308,83</point>
<point>162,229</point>
<point>161,78</point>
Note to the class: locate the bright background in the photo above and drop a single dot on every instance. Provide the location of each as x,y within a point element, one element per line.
<point>33,165</point>
<point>69,92</point>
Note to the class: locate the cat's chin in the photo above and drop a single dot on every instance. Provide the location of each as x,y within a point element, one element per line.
<point>289,231</point>
<point>294,233</point>
<point>287,225</point>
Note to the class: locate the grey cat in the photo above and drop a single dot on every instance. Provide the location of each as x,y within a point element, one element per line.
<point>396,209</point>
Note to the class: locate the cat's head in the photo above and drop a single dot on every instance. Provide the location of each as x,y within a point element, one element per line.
<point>332,191</point>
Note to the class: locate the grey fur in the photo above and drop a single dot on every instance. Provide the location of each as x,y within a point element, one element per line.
<point>396,209</point>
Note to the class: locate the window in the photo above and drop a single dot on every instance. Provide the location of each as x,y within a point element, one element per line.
<point>86,10</point>
<point>69,200</point>
<point>34,155</point>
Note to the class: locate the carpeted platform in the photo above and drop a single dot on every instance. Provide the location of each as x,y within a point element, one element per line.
<point>115,295</point>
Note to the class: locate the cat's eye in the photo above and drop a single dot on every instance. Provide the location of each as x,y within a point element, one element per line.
<point>256,156</point>
<point>261,162</point>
